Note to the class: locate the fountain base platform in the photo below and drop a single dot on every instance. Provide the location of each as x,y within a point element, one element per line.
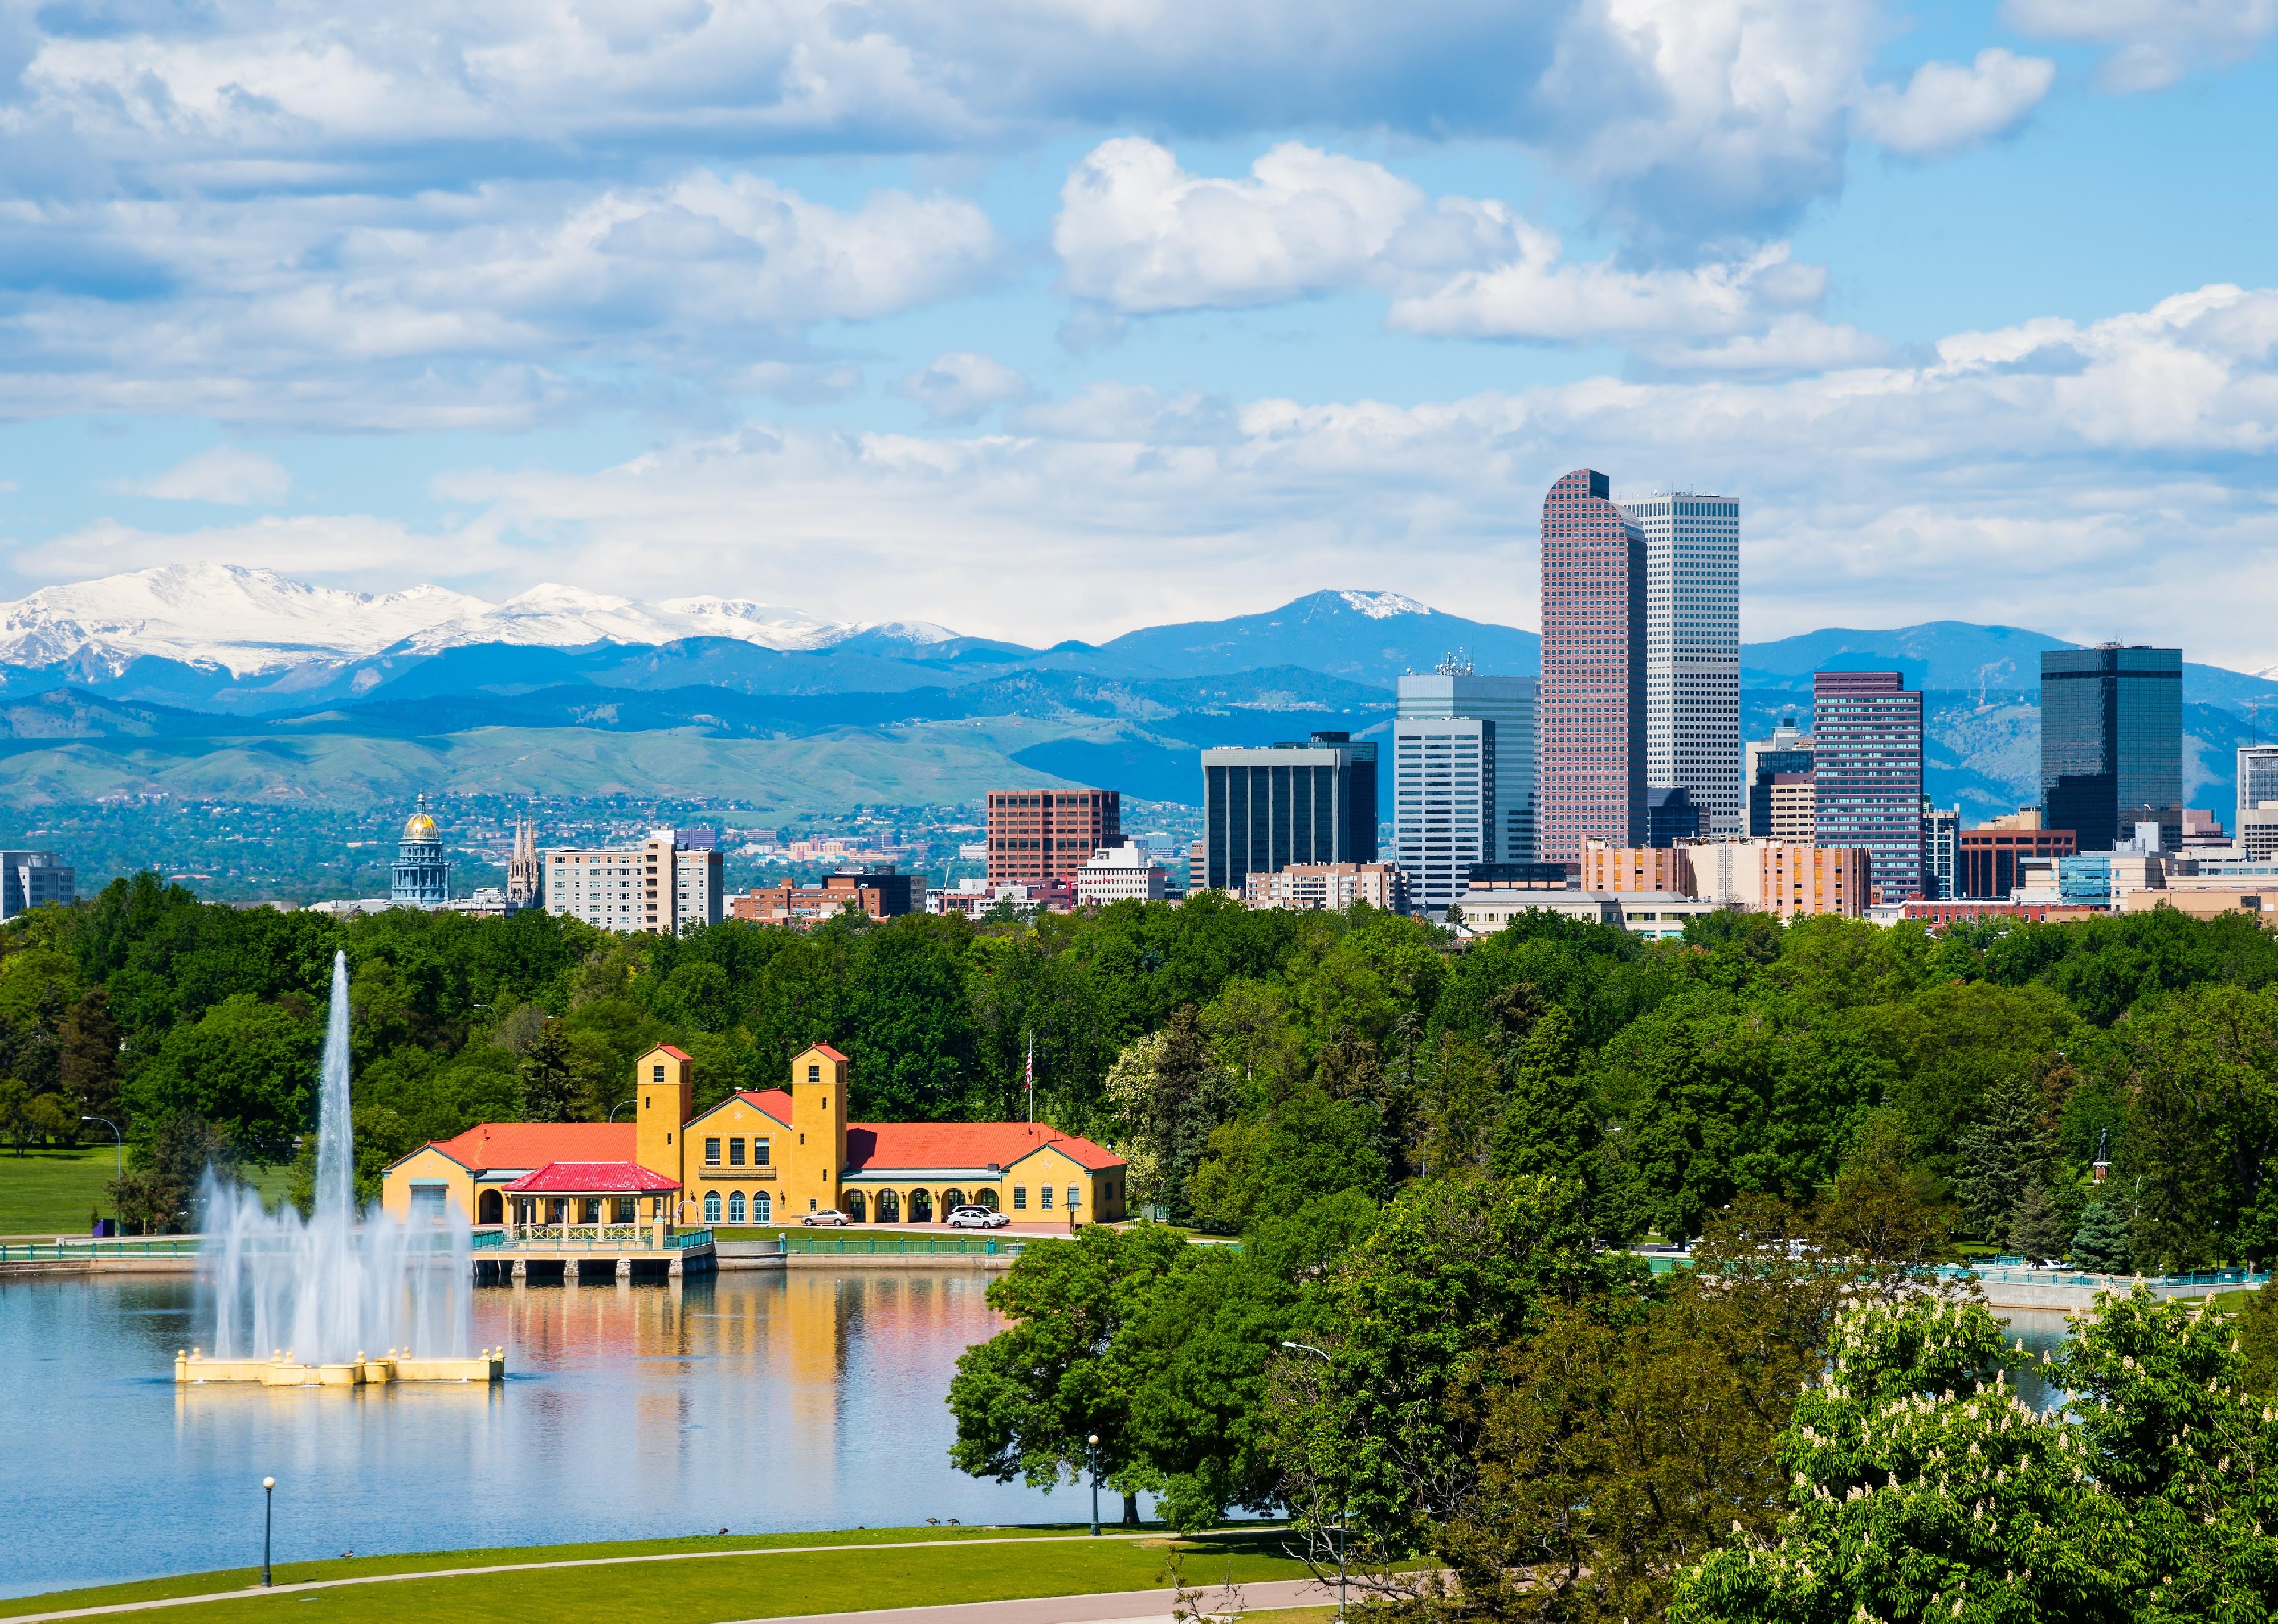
<point>192,1368</point>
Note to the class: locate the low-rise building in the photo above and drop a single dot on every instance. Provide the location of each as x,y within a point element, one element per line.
<point>1328,887</point>
<point>1952,911</point>
<point>1637,868</point>
<point>2209,902</point>
<point>1792,879</point>
<point>764,1156</point>
<point>873,893</point>
<point>1986,859</point>
<point>657,885</point>
<point>1658,916</point>
<point>1127,872</point>
<point>36,879</point>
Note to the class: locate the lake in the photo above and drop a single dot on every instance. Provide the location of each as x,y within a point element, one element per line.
<point>753,1402</point>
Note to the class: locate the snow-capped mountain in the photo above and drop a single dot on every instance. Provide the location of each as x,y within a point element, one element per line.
<point>253,621</point>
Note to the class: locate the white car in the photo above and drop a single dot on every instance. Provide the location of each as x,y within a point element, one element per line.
<point>830,1217</point>
<point>976,1218</point>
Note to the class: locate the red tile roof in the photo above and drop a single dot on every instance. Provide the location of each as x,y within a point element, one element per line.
<point>533,1143</point>
<point>827,1049</point>
<point>591,1179</point>
<point>775,1101</point>
<point>677,1054</point>
<point>964,1145</point>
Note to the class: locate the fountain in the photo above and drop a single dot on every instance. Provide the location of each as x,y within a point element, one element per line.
<point>320,1293</point>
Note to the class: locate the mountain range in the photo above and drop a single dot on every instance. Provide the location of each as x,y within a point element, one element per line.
<point>210,682</point>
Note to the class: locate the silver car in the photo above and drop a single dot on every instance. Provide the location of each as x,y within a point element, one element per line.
<point>976,1218</point>
<point>829,1217</point>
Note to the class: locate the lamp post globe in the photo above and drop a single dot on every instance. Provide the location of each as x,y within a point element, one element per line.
<point>1091,1445</point>
<point>268,1502</point>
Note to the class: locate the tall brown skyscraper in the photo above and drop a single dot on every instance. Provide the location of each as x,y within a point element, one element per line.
<point>1590,750</point>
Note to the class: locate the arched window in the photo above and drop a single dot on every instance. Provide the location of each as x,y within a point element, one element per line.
<point>985,1197</point>
<point>491,1208</point>
<point>890,1207</point>
<point>920,1206</point>
<point>763,1208</point>
<point>711,1206</point>
<point>735,1207</point>
<point>951,1199</point>
<point>852,1201</point>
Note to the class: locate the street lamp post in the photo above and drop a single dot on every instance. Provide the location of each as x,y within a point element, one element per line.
<point>621,1105</point>
<point>268,1519</point>
<point>1091,1447</point>
<point>117,1151</point>
<point>1345,1516</point>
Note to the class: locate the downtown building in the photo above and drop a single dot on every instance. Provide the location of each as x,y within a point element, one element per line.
<point>1693,651</point>
<point>1590,751</point>
<point>1443,804</point>
<point>1265,808</point>
<point>2112,743</point>
<point>657,885</point>
<point>1044,837</point>
<point>2258,801</point>
<point>1867,776</point>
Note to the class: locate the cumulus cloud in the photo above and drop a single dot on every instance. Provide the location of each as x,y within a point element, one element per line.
<point>960,386</point>
<point>2154,42</point>
<point>1946,107</point>
<point>225,475</point>
<point>1142,235</point>
<point>2049,464</point>
<point>1686,119</point>
<point>459,310</point>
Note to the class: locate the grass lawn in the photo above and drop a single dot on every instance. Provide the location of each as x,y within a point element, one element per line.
<point>937,1566</point>
<point>50,1193</point>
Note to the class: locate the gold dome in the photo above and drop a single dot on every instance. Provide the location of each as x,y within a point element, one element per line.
<point>419,826</point>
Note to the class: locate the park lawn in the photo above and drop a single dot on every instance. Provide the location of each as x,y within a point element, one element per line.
<point>50,1192</point>
<point>943,1565</point>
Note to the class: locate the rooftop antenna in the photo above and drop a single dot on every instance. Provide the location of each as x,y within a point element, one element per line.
<point>1453,664</point>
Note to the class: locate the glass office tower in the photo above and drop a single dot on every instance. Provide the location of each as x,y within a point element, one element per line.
<point>2111,743</point>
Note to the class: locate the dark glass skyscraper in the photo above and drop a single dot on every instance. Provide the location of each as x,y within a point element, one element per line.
<point>1867,736</point>
<point>1265,809</point>
<point>2111,743</point>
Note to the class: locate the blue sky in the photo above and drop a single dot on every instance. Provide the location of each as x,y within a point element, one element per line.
<point>1050,319</point>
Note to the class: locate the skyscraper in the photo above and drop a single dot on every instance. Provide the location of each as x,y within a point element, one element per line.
<point>1867,732</point>
<point>1784,758</point>
<point>2111,743</point>
<point>1509,703</point>
<point>1692,651</point>
<point>1443,803</point>
<point>2258,801</point>
<point>1266,808</point>
<point>1590,775</point>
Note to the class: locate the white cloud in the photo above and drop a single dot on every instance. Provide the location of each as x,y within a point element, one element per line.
<point>2154,42</point>
<point>225,476</point>
<point>448,310</point>
<point>2038,472</point>
<point>1139,234</point>
<point>961,386</point>
<point>1946,107</point>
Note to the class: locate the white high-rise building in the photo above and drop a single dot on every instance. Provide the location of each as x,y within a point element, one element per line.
<point>2258,801</point>
<point>1508,702</point>
<point>658,886</point>
<point>1693,651</point>
<point>1443,804</point>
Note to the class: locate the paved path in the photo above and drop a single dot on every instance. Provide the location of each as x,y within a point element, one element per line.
<point>980,1611</point>
<point>1108,1607</point>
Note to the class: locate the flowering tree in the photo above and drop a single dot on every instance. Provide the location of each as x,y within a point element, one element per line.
<point>1924,1487</point>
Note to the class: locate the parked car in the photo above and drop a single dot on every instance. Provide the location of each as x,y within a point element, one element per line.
<point>976,1218</point>
<point>830,1217</point>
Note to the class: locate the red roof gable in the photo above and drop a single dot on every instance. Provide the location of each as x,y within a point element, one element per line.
<point>533,1143</point>
<point>827,1049</point>
<point>775,1101</point>
<point>591,1178</point>
<point>964,1145</point>
<point>677,1054</point>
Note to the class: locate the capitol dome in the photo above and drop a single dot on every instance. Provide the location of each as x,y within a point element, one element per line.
<point>419,826</point>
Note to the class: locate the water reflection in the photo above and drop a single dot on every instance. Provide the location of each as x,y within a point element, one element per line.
<point>810,1400</point>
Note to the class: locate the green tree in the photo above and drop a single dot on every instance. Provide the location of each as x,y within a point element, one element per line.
<point>247,1067</point>
<point>2037,1230</point>
<point>160,1188</point>
<point>2007,1151</point>
<point>1028,1399</point>
<point>550,1091</point>
<point>2101,1244</point>
<point>1167,1096</point>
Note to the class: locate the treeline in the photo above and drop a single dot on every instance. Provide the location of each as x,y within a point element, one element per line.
<point>1240,1059</point>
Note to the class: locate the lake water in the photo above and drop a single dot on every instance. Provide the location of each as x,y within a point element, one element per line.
<point>753,1402</point>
